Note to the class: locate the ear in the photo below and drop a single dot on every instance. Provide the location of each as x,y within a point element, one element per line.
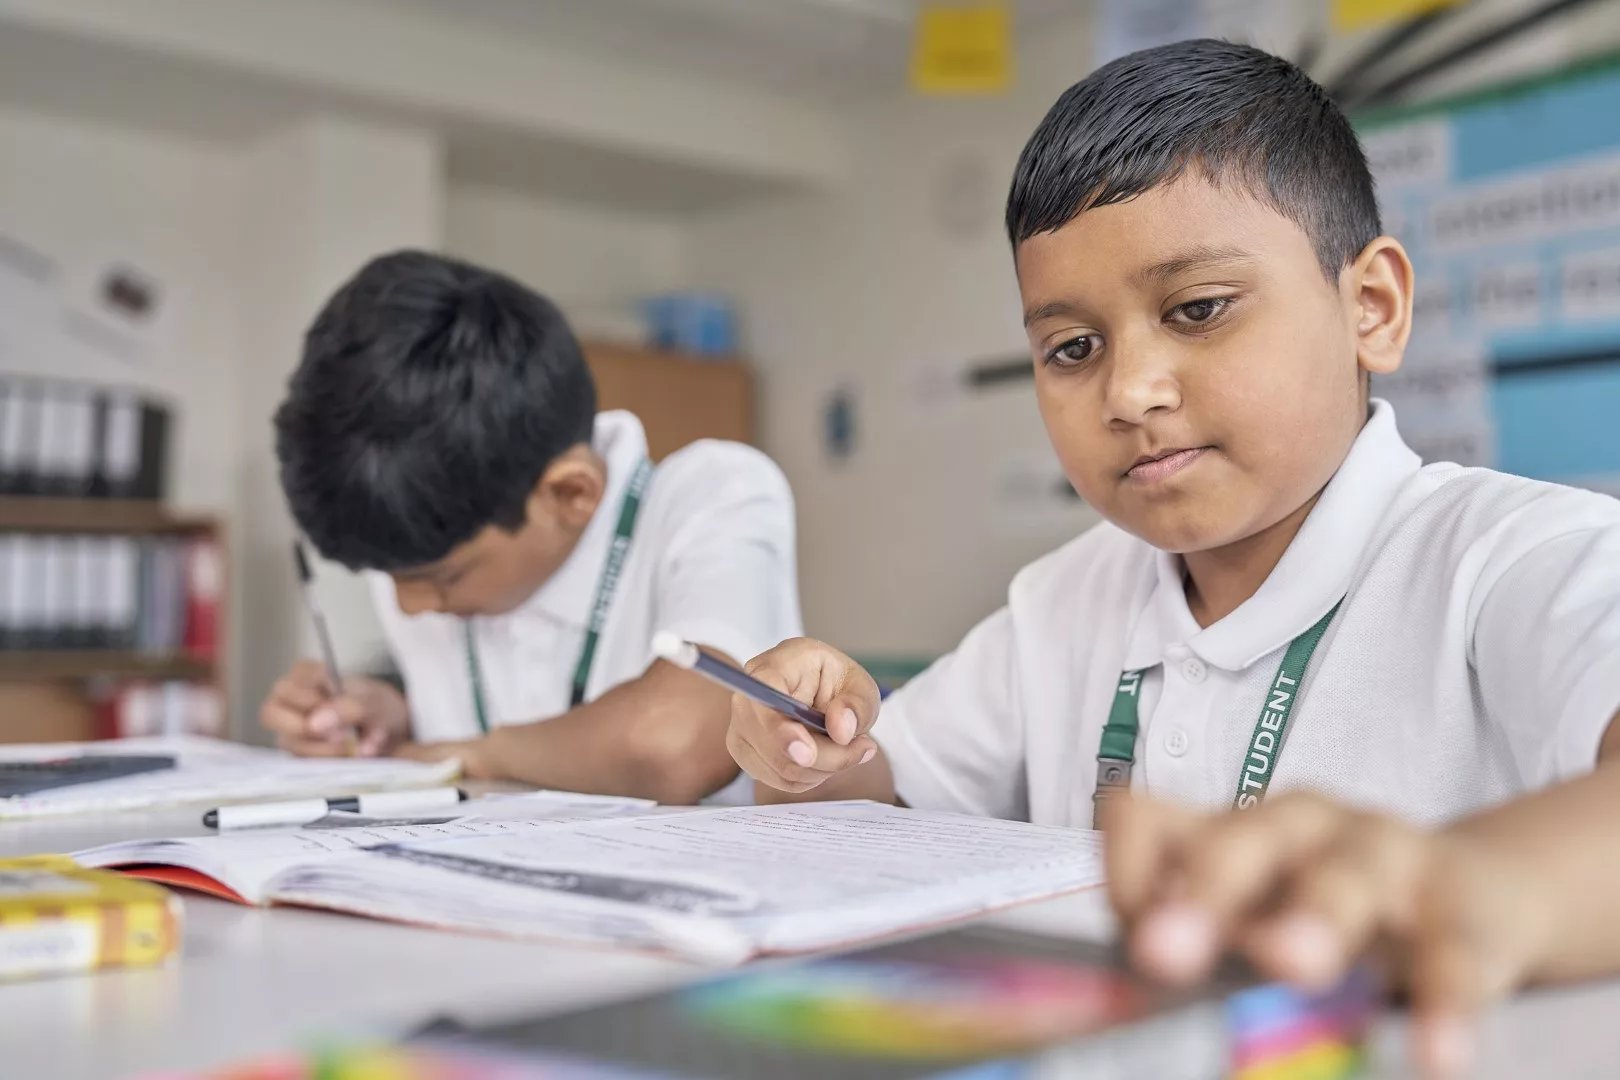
<point>1378,288</point>
<point>570,489</point>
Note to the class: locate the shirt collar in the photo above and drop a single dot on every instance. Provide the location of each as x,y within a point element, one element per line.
<point>1313,574</point>
<point>568,594</point>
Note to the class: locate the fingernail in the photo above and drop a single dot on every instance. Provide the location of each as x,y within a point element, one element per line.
<point>800,753</point>
<point>1177,942</point>
<point>871,752</point>
<point>1306,945</point>
<point>1446,1045</point>
<point>852,722</point>
<point>323,721</point>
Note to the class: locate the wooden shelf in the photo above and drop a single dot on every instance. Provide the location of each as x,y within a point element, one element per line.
<point>22,513</point>
<point>678,397</point>
<point>26,665</point>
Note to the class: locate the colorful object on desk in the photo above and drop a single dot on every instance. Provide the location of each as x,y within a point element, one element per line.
<point>57,917</point>
<point>1281,1034</point>
<point>382,1063</point>
<point>918,1009</point>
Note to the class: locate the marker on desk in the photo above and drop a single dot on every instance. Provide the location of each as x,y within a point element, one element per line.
<point>684,654</point>
<point>304,811</point>
<point>306,582</point>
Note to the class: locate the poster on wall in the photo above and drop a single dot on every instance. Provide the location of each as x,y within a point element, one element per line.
<point>1509,204</point>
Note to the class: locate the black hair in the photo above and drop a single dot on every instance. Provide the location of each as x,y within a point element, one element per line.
<point>430,398</point>
<point>1230,111</point>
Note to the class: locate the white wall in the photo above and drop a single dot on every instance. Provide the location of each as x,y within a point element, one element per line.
<point>86,194</point>
<point>910,541</point>
<point>594,263</point>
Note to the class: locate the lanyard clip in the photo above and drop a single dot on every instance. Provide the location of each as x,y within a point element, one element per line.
<point>1113,778</point>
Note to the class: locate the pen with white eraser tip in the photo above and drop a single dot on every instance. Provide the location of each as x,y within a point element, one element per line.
<point>304,811</point>
<point>683,654</point>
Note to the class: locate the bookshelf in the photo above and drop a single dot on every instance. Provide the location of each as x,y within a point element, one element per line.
<point>56,688</point>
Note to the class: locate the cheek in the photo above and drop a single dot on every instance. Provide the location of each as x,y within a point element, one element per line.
<point>1075,431</point>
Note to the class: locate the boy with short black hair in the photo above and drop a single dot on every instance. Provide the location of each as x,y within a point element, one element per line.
<point>441,432</point>
<point>1283,596</point>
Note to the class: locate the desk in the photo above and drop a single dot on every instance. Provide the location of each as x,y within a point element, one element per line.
<point>253,981</point>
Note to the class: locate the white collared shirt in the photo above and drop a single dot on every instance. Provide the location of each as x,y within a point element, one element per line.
<point>712,559</point>
<point>1476,656</point>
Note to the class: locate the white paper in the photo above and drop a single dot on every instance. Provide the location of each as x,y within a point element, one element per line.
<point>714,884</point>
<point>247,861</point>
<point>211,772</point>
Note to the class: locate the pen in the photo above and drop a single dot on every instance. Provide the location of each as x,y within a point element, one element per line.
<point>684,654</point>
<point>304,811</point>
<point>306,581</point>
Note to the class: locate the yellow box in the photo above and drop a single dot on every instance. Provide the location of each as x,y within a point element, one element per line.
<point>58,917</point>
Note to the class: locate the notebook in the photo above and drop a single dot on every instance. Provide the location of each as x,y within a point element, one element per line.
<point>244,866</point>
<point>717,885</point>
<point>209,772</point>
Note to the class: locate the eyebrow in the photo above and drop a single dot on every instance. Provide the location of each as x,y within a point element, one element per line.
<point>1199,257</point>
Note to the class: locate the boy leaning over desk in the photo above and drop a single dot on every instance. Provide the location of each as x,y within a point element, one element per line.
<point>441,433</point>
<point>1287,616</point>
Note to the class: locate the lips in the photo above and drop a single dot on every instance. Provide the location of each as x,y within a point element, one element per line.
<point>1154,468</point>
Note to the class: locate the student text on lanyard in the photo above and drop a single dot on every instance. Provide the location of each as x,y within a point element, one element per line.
<point>1117,753</point>
<point>605,588</point>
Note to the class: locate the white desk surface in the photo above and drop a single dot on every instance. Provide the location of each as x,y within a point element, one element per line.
<point>250,982</point>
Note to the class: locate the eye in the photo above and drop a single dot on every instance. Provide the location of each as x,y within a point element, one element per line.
<point>1199,313</point>
<point>1075,351</point>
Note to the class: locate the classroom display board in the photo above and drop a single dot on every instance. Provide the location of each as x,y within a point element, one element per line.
<point>1509,204</point>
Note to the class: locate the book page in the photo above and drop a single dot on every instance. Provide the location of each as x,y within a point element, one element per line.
<point>214,772</point>
<point>720,883</point>
<point>246,860</point>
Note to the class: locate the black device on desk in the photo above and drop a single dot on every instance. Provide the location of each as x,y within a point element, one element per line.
<point>31,777</point>
<point>978,1003</point>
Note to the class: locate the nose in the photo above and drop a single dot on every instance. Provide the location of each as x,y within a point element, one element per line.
<point>1141,379</point>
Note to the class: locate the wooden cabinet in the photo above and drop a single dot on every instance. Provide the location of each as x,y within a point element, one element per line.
<point>679,398</point>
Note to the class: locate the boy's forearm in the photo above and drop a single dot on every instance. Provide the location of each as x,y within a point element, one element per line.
<point>874,781</point>
<point>1567,840</point>
<point>661,737</point>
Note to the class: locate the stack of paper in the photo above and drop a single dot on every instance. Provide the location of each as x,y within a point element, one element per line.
<point>213,772</point>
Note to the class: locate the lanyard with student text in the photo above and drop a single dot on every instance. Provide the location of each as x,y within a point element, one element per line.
<point>618,550</point>
<point>1116,754</point>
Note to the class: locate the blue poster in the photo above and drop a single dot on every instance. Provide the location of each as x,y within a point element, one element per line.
<point>1509,204</point>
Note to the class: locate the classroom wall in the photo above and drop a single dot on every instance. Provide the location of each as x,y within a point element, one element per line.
<point>87,193</point>
<point>593,262</point>
<point>890,287</point>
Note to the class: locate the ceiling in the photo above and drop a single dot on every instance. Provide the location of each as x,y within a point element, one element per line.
<point>825,50</point>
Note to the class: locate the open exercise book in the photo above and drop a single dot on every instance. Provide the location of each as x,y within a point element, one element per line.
<point>714,884</point>
<point>210,772</point>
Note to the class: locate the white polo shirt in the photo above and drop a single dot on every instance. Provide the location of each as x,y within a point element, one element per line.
<point>712,559</point>
<point>1476,656</point>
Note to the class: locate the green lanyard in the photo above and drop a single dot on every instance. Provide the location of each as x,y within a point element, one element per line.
<point>618,551</point>
<point>1116,753</point>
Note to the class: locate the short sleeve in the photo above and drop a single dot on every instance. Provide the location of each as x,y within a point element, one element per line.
<point>1547,652</point>
<point>954,734</point>
<point>727,575</point>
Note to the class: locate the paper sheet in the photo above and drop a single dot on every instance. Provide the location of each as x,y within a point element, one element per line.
<point>720,884</point>
<point>214,772</point>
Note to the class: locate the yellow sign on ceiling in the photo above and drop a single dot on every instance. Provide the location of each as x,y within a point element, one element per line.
<point>1359,14</point>
<point>962,49</point>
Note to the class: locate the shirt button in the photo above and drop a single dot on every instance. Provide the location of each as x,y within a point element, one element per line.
<point>1176,742</point>
<point>1193,669</point>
